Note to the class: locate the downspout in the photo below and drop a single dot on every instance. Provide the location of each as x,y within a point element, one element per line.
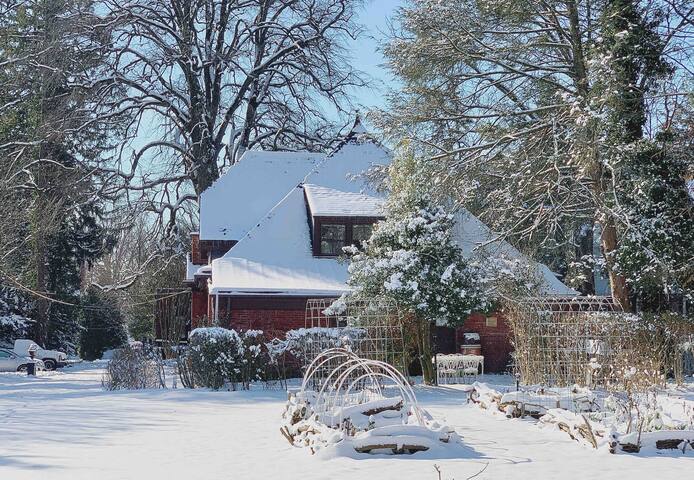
<point>216,309</point>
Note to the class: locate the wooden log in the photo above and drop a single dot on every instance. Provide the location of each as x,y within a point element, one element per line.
<point>374,411</point>
<point>669,444</point>
<point>393,447</point>
<point>630,447</point>
<point>285,433</point>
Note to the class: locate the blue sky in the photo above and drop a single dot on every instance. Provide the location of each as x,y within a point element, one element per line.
<point>366,56</point>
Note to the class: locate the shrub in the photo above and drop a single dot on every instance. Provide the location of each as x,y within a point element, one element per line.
<point>218,356</point>
<point>133,369</point>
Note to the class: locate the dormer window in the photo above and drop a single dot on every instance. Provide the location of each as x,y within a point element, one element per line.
<point>332,238</point>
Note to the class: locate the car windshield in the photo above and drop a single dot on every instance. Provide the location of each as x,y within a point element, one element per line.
<point>5,354</point>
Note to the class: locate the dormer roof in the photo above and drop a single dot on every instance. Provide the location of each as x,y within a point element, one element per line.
<point>328,202</point>
<point>275,258</point>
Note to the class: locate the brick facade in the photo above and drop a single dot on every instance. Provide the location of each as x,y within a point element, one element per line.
<point>277,315</point>
<point>495,340</point>
<point>272,315</point>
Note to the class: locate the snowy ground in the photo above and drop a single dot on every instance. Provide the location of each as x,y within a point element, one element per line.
<point>63,425</point>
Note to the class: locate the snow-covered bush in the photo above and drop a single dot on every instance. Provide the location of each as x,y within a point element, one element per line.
<point>218,356</point>
<point>133,369</point>
<point>304,343</point>
<point>13,322</point>
<point>412,257</point>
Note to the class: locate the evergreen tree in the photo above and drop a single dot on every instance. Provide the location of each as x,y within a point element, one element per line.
<point>412,258</point>
<point>657,252</point>
<point>53,137</point>
<point>103,327</point>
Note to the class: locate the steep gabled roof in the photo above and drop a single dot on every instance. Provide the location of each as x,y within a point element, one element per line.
<point>239,198</point>
<point>275,258</point>
<point>249,189</point>
<point>328,202</point>
<point>477,239</point>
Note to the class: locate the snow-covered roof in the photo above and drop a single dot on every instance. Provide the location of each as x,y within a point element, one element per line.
<point>275,258</point>
<point>249,189</point>
<point>345,168</point>
<point>327,202</point>
<point>476,238</point>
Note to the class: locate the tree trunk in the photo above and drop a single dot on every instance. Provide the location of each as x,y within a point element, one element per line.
<point>618,284</point>
<point>584,248</point>
<point>424,347</point>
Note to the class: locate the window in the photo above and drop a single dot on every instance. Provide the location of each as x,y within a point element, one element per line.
<point>361,233</point>
<point>491,322</point>
<point>332,239</point>
<point>4,354</point>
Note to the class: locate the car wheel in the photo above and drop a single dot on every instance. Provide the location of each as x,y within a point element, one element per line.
<point>49,364</point>
<point>22,368</point>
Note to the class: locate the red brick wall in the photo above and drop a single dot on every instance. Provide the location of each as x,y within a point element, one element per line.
<point>272,322</point>
<point>272,315</point>
<point>198,307</point>
<point>496,341</point>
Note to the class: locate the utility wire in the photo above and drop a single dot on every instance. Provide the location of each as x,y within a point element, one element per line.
<point>77,305</point>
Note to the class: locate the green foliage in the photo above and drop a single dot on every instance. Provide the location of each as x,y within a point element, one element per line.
<point>412,257</point>
<point>102,325</point>
<point>657,252</point>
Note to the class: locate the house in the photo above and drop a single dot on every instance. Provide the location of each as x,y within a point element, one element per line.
<point>273,226</point>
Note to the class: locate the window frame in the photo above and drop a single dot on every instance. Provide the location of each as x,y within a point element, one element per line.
<point>348,222</point>
<point>332,241</point>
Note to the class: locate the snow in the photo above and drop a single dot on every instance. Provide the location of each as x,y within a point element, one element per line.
<point>253,193</point>
<point>327,202</point>
<point>64,426</point>
<point>345,168</point>
<point>249,189</point>
<point>191,268</point>
<point>276,258</point>
<point>476,239</point>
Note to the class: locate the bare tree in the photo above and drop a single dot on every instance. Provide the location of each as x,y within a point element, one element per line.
<point>209,79</point>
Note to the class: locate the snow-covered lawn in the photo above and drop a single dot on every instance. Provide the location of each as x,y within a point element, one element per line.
<point>63,425</point>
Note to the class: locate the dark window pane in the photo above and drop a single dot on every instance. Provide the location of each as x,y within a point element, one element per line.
<point>332,239</point>
<point>361,233</point>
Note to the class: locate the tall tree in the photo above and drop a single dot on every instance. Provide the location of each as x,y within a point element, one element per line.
<point>214,78</point>
<point>52,139</point>
<point>525,109</point>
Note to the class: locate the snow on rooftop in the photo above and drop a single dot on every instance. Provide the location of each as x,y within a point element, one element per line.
<point>328,202</point>
<point>276,258</point>
<point>190,269</point>
<point>476,238</point>
<point>249,189</point>
<point>238,199</point>
<point>345,169</point>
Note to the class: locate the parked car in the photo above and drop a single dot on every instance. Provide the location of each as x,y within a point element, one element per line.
<point>51,358</point>
<point>11,362</point>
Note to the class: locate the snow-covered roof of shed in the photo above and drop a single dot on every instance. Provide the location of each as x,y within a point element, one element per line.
<point>476,238</point>
<point>329,202</point>
<point>275,258</point>
<point>249,189</point>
